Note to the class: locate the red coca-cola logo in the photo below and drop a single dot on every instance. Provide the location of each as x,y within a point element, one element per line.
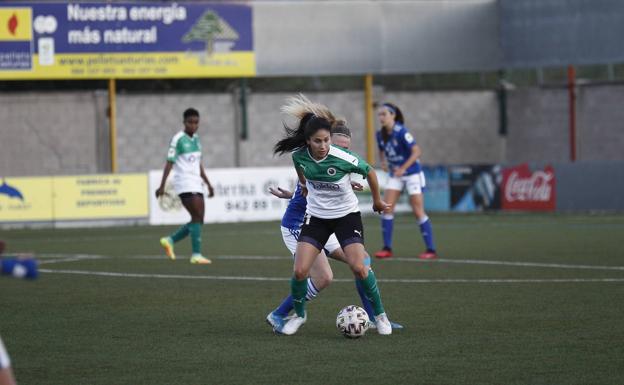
<point>523,189</point>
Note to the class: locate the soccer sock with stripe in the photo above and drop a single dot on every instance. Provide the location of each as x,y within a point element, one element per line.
<point>427,233</point>
<point>180,233</point>
<point>287,304</point>
<point>298,291</point>
<point>372,292</point>
<point>387,226</point>
<point>195,230</point>
<point>366,303</point>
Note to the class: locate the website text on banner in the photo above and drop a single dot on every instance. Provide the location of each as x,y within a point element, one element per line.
<point>125,40</point>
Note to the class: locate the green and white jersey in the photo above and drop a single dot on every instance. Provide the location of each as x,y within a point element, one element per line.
<point>330,194</point>
<point>185,154</point>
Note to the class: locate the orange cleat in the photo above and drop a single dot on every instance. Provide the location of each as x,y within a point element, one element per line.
<point>428,255</point>
<point>384,253</point>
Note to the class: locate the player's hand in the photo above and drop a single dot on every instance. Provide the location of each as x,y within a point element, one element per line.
<point>384,166</point>
<point>356,186</point>
<point>210,191</point>
<point>160,192</point>
<point>304,191</point>
<point>280,192</point>
<point>380,206</point>
<point>399,172</point>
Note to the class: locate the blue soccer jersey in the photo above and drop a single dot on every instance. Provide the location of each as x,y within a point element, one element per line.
<point>293,217</point>
<point>398,149</point>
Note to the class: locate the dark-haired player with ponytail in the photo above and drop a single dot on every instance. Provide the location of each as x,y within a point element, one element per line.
<point>332,207</point>
<point>399,157</point>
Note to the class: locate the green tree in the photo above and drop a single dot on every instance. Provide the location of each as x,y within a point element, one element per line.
<point>208,28</point>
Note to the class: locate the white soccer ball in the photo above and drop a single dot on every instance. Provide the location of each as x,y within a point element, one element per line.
<point>352,321</point>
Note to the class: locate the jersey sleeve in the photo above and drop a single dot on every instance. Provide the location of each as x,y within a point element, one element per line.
<point>172,152</point>
<point>361,167</point>
<point>407,138</point>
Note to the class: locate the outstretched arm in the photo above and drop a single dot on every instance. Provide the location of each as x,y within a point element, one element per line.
<point>379,205</point>
<point>281,193</point>
<point>161,190</point>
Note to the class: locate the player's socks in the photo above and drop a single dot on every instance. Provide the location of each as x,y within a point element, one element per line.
<point>312,290</point>
<point>298,290</point>
<point>372,292</point>
<point>427,233</point>
<point>387,226</point>
<point>287,304</point>
<point>195,230</point>
<point>365,301</point>
<point>285,307</point>
<point>180,233</point>
<point>19,268</point>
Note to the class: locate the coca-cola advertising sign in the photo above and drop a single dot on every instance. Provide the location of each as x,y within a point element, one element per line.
<point>523,189</point>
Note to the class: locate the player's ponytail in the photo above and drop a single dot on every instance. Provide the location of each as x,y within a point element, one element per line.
<point>312,117</point>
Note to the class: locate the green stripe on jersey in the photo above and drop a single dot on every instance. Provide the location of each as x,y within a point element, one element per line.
<point>183,144</point>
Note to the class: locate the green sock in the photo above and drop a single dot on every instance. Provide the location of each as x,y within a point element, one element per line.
<point>180,233</point>
<point>298,290</point>
<point>372,292</point>
<point>195,230</point>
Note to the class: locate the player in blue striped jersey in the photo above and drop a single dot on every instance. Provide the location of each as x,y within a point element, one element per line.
<point>399,155</point>
<point>321,274</point>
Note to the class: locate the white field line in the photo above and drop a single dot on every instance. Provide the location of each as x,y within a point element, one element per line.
<point>78,257</point>
<point>283,279</point>
<point>58,258</point>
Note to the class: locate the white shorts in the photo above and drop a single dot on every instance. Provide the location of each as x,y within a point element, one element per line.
<point>188,185</point>
<point>290,237</point>
<point>5,362</point>
<point>413,183</point>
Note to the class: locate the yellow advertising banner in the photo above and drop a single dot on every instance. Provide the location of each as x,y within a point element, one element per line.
<point>125,40</point>
<point>26,199</point>
<point>100,196</point>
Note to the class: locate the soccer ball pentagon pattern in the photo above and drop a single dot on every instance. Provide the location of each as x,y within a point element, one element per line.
<point>352,321</point>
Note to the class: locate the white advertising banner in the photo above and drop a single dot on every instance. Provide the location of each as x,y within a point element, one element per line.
<point>242,195</point>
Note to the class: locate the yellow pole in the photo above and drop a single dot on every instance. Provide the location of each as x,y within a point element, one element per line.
<point>370,116</point>
<point>112,116</point>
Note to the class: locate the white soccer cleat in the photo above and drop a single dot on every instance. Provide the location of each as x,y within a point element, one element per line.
<point>292,325</point>
<point>383,324</point>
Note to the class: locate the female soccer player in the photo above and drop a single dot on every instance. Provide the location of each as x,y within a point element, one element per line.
<point>399,155</point>
<point>321,274</point>
<point>184,156</point>
<point>332,207</point>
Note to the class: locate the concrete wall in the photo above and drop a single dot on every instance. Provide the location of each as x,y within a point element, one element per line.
<point>67,133</point>
<point>49,133</point>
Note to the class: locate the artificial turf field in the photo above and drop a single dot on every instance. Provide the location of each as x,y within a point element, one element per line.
<point>514,299</point>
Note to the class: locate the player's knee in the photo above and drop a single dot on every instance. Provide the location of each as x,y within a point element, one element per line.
<point>360,271</point>
<point>300,273</point>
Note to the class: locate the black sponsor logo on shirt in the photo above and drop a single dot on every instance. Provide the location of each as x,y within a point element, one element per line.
<point>325,186</point>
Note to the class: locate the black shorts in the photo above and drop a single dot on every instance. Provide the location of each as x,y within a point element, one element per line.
<point>348,230</point>
<point>190,194</point>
